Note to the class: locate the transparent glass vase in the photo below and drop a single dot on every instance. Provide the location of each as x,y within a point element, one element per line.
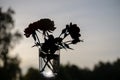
<point>49,63</point>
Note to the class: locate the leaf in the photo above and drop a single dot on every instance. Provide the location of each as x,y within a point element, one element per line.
<point>36,44</point>
<point>81,40</point>
<point>67,46</point>
<point>75,41</point>
<point>62,45</point>
<point>33,35</point>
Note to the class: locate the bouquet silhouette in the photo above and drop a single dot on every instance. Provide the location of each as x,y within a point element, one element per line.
<point>51,44</point>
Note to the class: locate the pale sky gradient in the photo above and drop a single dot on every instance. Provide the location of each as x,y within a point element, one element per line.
<point>99,21</point>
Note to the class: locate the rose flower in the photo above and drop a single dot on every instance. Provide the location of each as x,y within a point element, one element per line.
<point>42,24</point>
<point>74,33</point>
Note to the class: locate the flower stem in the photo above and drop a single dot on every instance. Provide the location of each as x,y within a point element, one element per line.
<point>37,38</point>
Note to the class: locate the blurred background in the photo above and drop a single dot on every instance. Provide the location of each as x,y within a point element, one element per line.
<point>99,21</point>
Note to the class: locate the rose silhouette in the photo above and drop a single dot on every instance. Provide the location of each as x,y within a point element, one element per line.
<point>74,32</point>
<point>28,31</point>
<point>45,25</point>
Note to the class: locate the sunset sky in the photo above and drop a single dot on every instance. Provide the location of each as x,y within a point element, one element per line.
<point>99,21</point>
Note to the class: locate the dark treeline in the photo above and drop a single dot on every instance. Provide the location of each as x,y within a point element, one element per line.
<point>101,71</point>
